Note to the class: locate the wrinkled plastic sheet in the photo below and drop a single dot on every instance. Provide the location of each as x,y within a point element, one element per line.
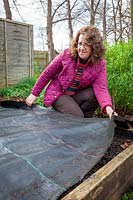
<point>44,152</point>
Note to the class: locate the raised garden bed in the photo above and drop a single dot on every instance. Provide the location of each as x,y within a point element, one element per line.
<point>109,182</point>
<point>112,176</point>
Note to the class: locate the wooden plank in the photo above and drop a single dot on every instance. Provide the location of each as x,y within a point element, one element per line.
<point>2,74</point>
<point>30,38</point>
<point>15,22</point>
<point>109,182</point>
<point>6,54</point>
<point>16,74</point>
<point>2,55</point>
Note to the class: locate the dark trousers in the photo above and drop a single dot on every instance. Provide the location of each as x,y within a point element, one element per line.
<point>82,104</point>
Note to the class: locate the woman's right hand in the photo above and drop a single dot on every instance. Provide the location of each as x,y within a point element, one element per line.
<point>31,99</point>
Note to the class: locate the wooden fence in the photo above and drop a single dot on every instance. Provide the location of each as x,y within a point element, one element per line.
<point>16,52</point>
<point>41,59</point>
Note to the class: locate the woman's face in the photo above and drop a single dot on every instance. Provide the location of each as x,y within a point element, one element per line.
<point>83,48</point>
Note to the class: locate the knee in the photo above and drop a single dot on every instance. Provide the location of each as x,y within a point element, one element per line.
<point>89,94</point>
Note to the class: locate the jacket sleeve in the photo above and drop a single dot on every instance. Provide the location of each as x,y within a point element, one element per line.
<point>48,74</point>
<point>101,89</point>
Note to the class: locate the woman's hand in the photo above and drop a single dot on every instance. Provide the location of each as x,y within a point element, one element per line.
<point>110,111</point>
<point>31,99</point>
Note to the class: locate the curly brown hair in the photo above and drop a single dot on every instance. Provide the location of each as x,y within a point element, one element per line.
<point>94,38</point>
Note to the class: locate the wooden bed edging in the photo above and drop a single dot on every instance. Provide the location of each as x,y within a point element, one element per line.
<point>109,182</point>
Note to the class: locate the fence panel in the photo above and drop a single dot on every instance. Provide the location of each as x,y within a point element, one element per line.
<point>16,52</point>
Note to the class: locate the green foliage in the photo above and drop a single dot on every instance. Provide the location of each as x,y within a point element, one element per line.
<point>22,89</point>
<point>119,59</point>
<point>128,195</point>
<point>40,99</point>
<point>124,197</point>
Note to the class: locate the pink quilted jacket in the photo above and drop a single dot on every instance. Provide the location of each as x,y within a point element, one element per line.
<point>61,71</point>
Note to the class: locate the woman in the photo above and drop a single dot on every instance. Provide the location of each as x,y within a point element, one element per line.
<point>76,77</point>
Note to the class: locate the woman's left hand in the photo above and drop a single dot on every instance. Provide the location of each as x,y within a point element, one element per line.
<point>110,111</point>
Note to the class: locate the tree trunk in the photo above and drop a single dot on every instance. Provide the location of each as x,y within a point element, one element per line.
<point>114,20</point>
<point>92,17</point>
<point>49,31</point>
<point>7,9</point>
<point>104,20</point>
<point>93,10</point>
<point>69,20</point>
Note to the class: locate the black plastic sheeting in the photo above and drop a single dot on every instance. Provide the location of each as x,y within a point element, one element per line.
<point>44,152</point>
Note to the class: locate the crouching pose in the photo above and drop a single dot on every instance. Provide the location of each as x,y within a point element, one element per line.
<point>76,78</point>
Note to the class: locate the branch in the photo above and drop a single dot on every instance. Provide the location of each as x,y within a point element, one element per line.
<point>97,6</point>
<point>14,1</point>
<point>42,6</point>
<point>74,5</point>
<point>57,8</point>
<point>60,20</point>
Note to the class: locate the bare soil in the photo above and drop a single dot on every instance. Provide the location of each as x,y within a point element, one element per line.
<point>121,140</point>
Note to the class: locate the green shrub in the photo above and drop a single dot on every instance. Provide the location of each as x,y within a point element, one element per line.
<point>119,59</point>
